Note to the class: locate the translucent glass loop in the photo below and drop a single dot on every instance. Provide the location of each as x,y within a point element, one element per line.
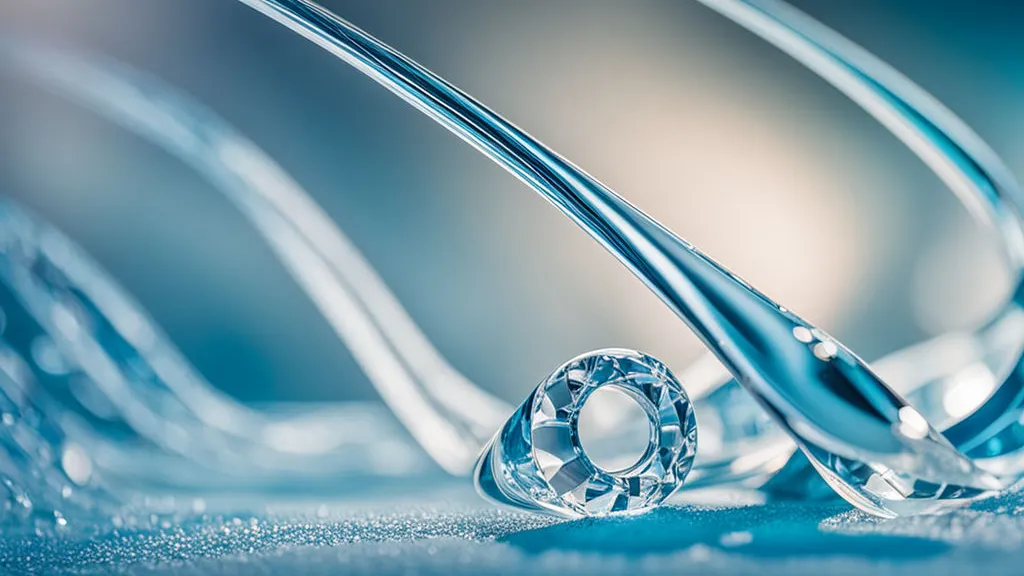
<point>322,260</point>
<point>872,447</point>
<point>173,430</point>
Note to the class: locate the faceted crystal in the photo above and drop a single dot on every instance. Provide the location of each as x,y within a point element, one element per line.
<point>537,462</point>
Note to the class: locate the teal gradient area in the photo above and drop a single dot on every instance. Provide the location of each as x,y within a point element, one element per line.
<point>784,530</point>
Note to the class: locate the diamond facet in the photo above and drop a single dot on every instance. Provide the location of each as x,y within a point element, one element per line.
<point>537,462</point>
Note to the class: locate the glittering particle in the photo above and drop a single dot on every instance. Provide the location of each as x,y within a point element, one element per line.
<point>76,464</point>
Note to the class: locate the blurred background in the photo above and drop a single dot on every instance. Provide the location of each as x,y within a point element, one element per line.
<point>721,137</point>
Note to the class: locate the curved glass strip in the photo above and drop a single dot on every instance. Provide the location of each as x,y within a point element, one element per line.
<point>447,415</point>
<point>989,430</point>
<point>872,447</point>
<point>451,417</point>
<point>123,365</point>
<point>405,368</point>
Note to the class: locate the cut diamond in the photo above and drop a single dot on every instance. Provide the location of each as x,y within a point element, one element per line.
<point>537,462</point>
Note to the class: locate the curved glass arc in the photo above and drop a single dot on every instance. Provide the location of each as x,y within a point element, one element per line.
<point>351,296</point>
<point>109,360</point>
<point>447,415</point>
<point>349,293</point>
<point>854,422</point>
<point>990,432</point>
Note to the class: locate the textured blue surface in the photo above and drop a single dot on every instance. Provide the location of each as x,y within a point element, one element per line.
<point>458,535</point>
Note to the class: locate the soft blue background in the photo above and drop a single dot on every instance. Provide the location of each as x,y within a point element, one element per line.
<point>722,137</point>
